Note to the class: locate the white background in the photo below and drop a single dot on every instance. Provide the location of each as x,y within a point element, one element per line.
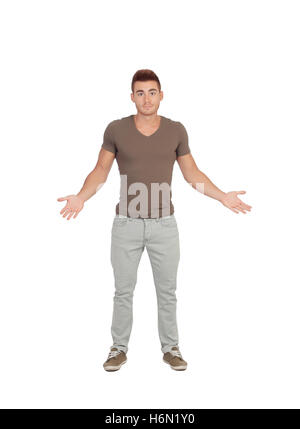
<point>230,73</point>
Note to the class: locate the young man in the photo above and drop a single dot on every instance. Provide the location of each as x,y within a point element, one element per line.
<point>146,146</point>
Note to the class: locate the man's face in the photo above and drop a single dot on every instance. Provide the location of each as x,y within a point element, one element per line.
<point>146,97</point>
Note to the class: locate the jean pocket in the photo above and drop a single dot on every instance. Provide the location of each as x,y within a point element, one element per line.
<point>119,222</point>
<point>168,223</point>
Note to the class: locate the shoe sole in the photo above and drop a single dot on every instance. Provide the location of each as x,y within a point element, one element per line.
<point>114,368</point>
<point>176,368</point>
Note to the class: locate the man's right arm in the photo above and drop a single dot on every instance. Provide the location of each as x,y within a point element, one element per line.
<point>98,176</point>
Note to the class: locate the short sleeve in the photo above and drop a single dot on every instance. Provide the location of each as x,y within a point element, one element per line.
<point>183,141</point>
<point>108,139</point>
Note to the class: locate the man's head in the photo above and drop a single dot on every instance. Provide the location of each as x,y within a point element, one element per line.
<point>146,91</point>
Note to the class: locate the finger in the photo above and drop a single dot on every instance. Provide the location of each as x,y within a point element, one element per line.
<point>76,213</point>
<point>241,192</point>
<point>246,207</point>
<point>240,206</point>
<point>235,211</point>
<point>67,212</point>
<point>243,205</point>
<point>64,209</point>
<point>71,214</point>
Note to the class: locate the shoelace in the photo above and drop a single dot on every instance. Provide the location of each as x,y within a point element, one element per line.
<point>176,353</point>
<point>113,353</point>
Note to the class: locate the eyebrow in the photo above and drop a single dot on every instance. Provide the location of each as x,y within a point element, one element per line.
<point>141,90</point>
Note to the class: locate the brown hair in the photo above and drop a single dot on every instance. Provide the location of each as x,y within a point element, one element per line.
<point>143,75</point>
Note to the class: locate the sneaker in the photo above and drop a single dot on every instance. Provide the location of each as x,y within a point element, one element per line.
<point>175,360</point>
<point>115,360</point>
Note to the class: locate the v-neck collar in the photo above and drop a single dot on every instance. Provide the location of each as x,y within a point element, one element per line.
<point>151,135</point>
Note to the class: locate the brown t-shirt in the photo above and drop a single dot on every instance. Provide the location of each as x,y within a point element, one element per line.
<point>145,162</point>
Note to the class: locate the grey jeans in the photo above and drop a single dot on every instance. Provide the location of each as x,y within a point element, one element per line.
<point>129,237</point>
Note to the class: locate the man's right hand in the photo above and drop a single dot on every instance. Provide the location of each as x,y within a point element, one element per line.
<point>73,206</point>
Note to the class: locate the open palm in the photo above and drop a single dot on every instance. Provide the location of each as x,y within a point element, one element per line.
<point>73,207</point>
<point>232,201</point>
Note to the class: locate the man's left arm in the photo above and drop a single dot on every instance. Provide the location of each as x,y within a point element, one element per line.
<point>199,181</point>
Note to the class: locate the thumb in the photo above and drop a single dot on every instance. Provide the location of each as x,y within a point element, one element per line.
<point>241,192</point>
<point>63,198</point>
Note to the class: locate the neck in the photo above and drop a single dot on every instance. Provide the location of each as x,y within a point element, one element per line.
<point>147,120</point>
